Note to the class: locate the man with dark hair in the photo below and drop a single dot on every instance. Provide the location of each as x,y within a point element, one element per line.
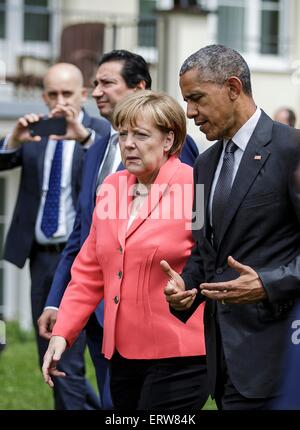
<point>285,116</point>
<point>119,73</point>
<point>245,262</point>
<point>134,70</point>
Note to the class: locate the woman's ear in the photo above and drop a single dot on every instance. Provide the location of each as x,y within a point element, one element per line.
<point>168,143</point>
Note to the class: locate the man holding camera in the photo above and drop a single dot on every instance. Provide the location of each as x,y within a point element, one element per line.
<point>45,210</point>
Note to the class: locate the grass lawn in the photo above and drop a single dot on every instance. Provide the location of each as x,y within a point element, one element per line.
<point>21,383</point>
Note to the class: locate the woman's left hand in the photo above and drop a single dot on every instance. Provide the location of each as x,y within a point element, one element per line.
<point>56,347</point>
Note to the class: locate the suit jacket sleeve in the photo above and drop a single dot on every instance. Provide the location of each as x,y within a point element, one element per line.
<point>63,272</point>
<point>283,283</point>
<point>84,291</point>
<point>100,126</point>
<point>10,159</point>
<point>189,151</point>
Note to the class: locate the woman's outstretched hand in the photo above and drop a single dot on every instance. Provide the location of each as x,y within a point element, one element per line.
<point>56,347</point>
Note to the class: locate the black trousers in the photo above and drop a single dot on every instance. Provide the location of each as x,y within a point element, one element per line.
<point>226,396</point>
<point>178,383</point>
<point>73,392</point>
<point>94,336</point>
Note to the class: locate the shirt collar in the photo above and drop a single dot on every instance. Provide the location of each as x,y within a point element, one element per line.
<point>243,135</point>
<point>112,131</point>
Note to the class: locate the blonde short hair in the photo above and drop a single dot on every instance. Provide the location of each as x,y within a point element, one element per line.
<point>165,112</point>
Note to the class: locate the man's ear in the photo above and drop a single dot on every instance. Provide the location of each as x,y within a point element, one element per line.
<point>141,85</point>
<point>235,87</point>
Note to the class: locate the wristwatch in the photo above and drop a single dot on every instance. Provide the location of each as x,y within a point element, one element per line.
<point>88,136</point>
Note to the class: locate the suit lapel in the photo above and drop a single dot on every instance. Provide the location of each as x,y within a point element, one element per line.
<point>86,120</point>
<point>76,167</point>
<point>96,162</point>
<point>252,162</point>
<point>41,146</point>
<point>78,159</point>
<point>206,175</point>
<point>120,167</point>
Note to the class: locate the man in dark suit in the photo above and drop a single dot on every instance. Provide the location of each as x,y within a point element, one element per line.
<point>245,262</point>
<point>120,73</point>
<point>29,235</point>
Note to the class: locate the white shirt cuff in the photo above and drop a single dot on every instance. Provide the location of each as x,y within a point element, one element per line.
<point>4,146</point>
<point>51,307</point>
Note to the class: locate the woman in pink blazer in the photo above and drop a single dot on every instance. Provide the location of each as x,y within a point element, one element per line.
<point>142,215</point>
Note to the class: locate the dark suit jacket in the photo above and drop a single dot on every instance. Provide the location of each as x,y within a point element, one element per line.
<point>260,229</point>
<point>84,214</point>
<point>30,156</point>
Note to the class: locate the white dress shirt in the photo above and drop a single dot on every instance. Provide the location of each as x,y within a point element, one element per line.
<point>67,211</point>
<point>66,208</point>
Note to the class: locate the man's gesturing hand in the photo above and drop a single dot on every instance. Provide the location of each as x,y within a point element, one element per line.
<point>247,288</point>
<point>176,295</point>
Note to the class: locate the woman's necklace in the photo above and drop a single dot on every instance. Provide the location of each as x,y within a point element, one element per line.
<point>141,190</point>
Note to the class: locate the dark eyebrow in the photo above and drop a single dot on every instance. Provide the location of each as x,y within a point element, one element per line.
<point>105,80</point>
<point>196,94</point>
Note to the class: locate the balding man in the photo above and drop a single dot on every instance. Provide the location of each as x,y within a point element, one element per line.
<point>45,208</point>
<point>285,116</point>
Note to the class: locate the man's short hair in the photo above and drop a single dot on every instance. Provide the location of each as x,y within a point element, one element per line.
<point>216,63</point>
<point>135,68</point>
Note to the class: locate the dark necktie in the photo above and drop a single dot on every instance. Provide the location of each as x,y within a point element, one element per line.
<point>49,223</point>
<point>222,190</point>
<point>109,159</point>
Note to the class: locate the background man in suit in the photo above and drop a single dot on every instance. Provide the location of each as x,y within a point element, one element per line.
<point>285,116</point>
<point>120,73</point>
<point>51,170</point>
<point>246,258</point>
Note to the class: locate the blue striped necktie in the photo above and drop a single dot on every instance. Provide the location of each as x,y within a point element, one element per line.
<point>49,223</point>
